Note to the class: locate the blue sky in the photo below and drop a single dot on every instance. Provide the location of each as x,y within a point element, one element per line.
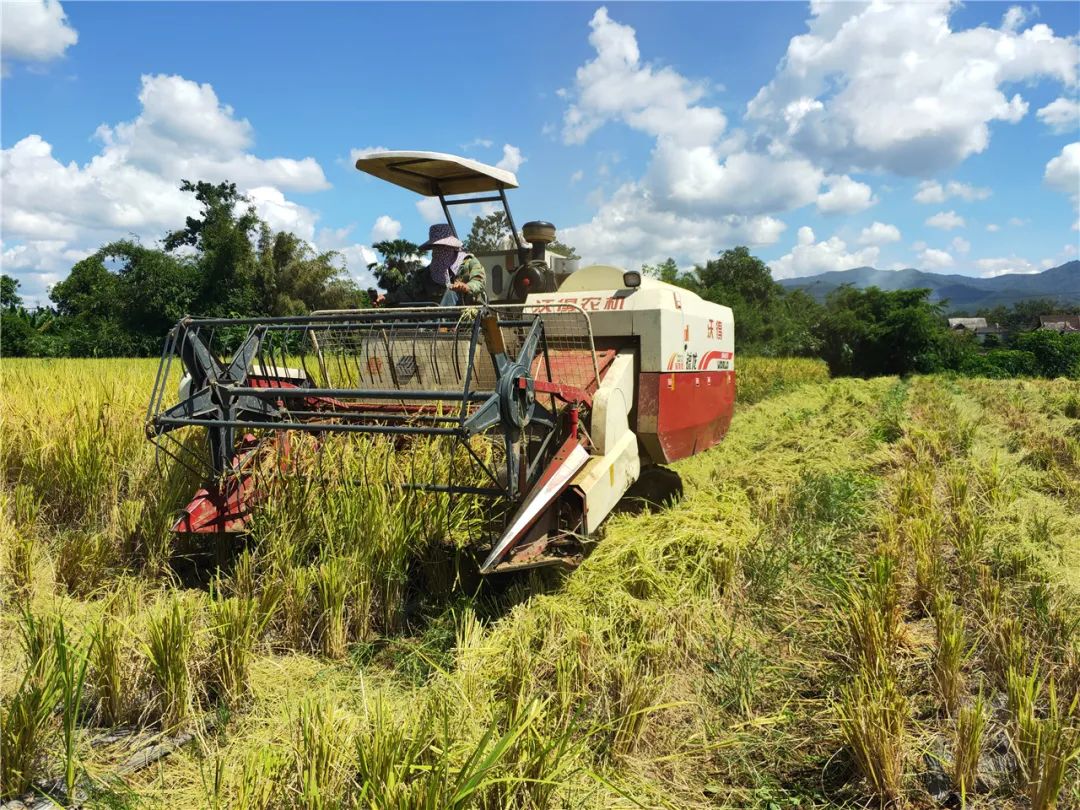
<point>934,135</point>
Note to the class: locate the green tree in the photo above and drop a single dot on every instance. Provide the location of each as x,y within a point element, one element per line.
<point>492,232</point>
<point>399,262</point>
<point>9,293</point>
<point>666,271</point>
<point>222,239</point>
<point>739,272</point>
<point>125,310</point>
<point>16,332</point>
<point>156,289</point>
<point>873,332</point>
<point>1056,353</point>
<point>89,292</point>
<point>794,317</point>
<point>488,233</point>
<point>768,320</point>
<point>1024,315</point>
<point>292,279</point>
<point>1001,364</point>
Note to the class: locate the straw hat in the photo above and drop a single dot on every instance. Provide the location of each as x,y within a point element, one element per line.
<point>441,234</point>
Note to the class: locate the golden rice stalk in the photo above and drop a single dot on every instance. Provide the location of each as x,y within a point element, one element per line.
<point>873,717</point>
<point>967,746</point>
<point>950,653</point>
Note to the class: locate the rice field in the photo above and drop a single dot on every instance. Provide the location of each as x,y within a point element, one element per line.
<point>869,594</point>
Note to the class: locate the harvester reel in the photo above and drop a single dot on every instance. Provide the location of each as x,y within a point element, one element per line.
<point>208,395</point>
<point>513,404</point>
<point>448,374</point>
<point>514,401</point>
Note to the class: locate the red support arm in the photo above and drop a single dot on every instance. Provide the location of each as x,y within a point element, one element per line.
<point>567,393</point>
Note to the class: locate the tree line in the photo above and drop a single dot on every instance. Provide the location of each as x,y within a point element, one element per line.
<point>873,332</point>
<point>227,262</point>
<point>224,262</point>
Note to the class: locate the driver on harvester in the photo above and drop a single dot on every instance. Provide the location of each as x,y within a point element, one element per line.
<point>453,277</point>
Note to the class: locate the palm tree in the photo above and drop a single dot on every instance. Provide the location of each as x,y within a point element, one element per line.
<point>400,258</point>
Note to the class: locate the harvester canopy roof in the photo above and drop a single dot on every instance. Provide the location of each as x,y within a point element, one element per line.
<point>435,173</point>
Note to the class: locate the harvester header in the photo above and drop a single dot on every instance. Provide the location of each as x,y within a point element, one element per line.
<point>550,401</point>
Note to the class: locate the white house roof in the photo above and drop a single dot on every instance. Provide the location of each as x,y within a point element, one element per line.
<point>432,173</point>
<point>967,323</point>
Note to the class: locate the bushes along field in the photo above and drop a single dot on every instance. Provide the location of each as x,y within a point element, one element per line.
<point>868,592</point>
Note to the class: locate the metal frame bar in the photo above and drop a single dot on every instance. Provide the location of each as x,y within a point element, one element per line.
<point>446,213</point>
<point>365,393</point>
<point>522,253</point>
<point>264,350</point>
<point>471,200</point>
<point>309,427</point>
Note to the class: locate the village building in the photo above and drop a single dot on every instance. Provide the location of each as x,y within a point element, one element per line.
<point>979,326</point>
<point>1060,323</point>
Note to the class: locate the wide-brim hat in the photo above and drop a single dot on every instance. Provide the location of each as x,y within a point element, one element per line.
<point>441,235</point>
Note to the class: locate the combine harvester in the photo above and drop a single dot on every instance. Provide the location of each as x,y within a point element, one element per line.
<point>551,401</point>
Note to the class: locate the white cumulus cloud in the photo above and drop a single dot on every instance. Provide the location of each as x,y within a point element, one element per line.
<point>430,210</point>
<point>946,220</point>
<point>698,180</point>
<point>879,233</point>
<point>618,85</point>
<point>628,230</point>
<point>699,177</point>
<point>282,214</point>
<point>1014,17</point>
<point>385,229</point>
<point>845,196</point>
<point>893,86</point>
<point>933,192</point>
<point>1063,172</point>
<point>183,131</point>
<point>1001,266</point>
<point>1062,115</point>
<point>511,159</point>
<point>933,259</point>
<point>809,257</point>
<point>34,31</point>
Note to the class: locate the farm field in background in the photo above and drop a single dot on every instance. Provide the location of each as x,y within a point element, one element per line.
<point>869,591</point>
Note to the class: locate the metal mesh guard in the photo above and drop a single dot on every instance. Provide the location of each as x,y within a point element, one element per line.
<point>402,354</point>
<point>358,358</point>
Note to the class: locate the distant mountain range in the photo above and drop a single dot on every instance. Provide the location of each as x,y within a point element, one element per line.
<point>962,292</point>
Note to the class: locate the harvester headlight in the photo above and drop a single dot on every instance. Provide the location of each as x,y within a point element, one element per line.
<point>631,278</point>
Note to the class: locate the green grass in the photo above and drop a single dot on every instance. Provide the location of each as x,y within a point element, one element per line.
<point>854,576</point>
